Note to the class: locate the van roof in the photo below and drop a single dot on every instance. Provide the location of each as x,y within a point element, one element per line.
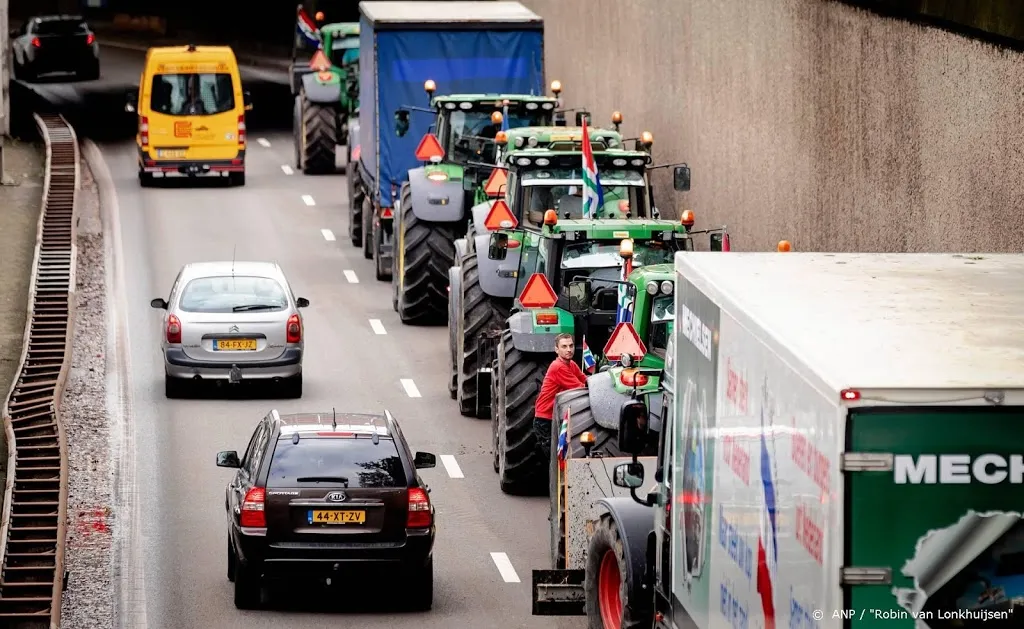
<point>198,53</point>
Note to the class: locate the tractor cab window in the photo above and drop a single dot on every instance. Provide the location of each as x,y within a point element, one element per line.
<point>599,261</point>
<point>663,315</point>
<point>530,260</point>
<point>345,50</point>
<point>472,132</point>
<point>562,190</point>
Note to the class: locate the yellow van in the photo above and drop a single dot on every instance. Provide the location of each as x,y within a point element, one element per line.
<point>191,114</point>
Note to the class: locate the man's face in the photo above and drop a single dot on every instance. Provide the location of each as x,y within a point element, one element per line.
<point>565,349</point>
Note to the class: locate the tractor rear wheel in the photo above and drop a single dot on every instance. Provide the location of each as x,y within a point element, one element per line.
<point>429,251</point>
<point>479,314</point>
<point>522,469</point>
<point>319,137</point>
<point>355,205</point>
<point>453,326</point>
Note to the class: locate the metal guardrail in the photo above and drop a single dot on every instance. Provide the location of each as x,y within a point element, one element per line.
<point>34,518</point>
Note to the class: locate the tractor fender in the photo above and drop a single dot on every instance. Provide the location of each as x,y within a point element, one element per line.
<point>320,93</point>
<point>524,338</point>
<point>605,401</point>
<point>353,134</point>
<point>461,249</point>
<point>455,295</point>
<point>436,201</point>
<point>491,282</point>
<point>635,523</point>
<point>479,214</point>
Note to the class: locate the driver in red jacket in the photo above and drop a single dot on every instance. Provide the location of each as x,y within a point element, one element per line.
<point>562,375</point>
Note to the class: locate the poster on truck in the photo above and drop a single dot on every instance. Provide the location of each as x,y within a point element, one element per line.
<point>946,520</point>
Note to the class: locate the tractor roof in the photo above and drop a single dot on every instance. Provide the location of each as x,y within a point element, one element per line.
<point>498,100</point>
<point>653,273</point>
<point>616,229</point>
<point>553,158</point>
<point>341,29</point>
<point>561,138</point>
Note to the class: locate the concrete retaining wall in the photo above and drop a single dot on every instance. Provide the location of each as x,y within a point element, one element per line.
<point>807,119</point>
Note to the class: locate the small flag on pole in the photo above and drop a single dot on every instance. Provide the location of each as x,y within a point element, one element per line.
<point>624,309</point>
<point>306,27</point>
<point>563,437</point>
<point>593,195</point>
<point>589,362</point>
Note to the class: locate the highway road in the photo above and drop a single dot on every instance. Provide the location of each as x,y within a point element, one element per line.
<point>359,357</point>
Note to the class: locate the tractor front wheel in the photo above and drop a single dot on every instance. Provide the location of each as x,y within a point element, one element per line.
<point>425,252</point>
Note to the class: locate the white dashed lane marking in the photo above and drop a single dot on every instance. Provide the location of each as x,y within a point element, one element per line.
<point>308,200</point>
<point>287,169</point>
<point>264,142</point>
<point>328,234</point>
<point>410,388</point>
<point>451,466</point>
<point>378,328</point>
<point>508,573</point>
<point>350,275</point>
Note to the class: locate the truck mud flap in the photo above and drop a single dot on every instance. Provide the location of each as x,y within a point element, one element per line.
<point>559,593</point>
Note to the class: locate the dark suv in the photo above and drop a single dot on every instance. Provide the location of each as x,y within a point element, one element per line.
<point>327,496</point>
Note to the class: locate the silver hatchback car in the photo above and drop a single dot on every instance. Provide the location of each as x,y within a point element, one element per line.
<point>231,321</point>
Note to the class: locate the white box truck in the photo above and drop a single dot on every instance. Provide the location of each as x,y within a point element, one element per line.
<point>843,448</point>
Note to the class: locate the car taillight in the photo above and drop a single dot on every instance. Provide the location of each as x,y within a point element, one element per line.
<point>36,42</point>
<point>89,39</point>
<point>241,131</point>
<point>144,130</point>
<point>252,508</point>
<point>419,510</point>
<point>294,329</point>
<point>630,377</point>
<point>173,329</point>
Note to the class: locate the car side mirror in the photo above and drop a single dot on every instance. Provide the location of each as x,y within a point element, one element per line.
<point>401,122</point>
<point>498,248</point>
<point>580,296</point>
<point>633,426</point>
<point>424,460</point>
<point>228,458</point>
<point>301,302</point>
<point>131,102</point>
<point>247,100</point>
<point>158,303</point>
<point>681,178</point>
<point>629,475</point>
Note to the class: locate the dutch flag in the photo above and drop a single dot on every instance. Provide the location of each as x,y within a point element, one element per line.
<point>563,437</point>
<point>307,27</point>
<point>589,362</point>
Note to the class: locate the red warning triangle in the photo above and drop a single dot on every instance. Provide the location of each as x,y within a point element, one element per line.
<point>320,61</point>
<point>495,185</point>
<point>538,293</point>
<point>624,341</point>
<point>429,147</point>
<point>500,217</point>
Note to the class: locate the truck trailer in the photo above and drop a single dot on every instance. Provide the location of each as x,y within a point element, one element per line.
<point>839,451</point>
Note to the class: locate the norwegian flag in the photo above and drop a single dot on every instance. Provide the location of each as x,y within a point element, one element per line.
<point>589,362</point>
<point>307,27</point>
<point>563,437</point>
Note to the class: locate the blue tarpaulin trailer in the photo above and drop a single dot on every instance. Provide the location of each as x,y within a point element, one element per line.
<point>465,47</point>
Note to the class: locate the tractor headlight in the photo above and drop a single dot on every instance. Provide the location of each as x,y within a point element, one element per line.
<point>652,288</point>
<point>666,287</point>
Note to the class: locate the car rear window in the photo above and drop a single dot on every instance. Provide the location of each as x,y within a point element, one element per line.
<point>192,94</point>
<point>61,27</point>
<point>233,293</point>
<point>358,460</point>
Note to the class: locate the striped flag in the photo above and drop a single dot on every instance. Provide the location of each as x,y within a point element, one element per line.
<point>593,196</point>
<point>563,437</point>
<point>624,309</point>
<point>589,362</point>
<point>307,27</point>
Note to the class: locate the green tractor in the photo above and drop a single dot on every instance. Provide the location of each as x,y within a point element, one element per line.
<point>542,166</point>
<point>568,280</point>
<point>326,93</point>
<point>434,203</point>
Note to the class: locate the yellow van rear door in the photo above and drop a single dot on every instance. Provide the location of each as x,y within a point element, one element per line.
<point>193,112</point>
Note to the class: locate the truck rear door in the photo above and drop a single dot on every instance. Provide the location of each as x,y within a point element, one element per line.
<point>943,514</point>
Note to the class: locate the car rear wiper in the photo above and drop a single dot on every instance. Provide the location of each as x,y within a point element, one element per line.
<point>323,479</point>
<point>254,307</point>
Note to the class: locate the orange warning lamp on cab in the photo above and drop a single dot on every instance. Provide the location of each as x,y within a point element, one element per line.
<point>496,117</point>
<point>500,217</point>
<point>687,218</point>
<point>429,87</point>
<point>784,246</point>
<point>429,149</point>
<point>550,218</point>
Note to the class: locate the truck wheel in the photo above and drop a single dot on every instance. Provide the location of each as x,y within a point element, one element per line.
<point>355,206</point>
<point>522,468</point>
<point>497,409</point>
<point>428,252</point>
<point>605,584</point>
<point>478,314</point>
<point>366,218</point>
<point>319,138</point>
<point>453,297</point>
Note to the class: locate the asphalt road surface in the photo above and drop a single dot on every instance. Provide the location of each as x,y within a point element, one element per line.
<point>358,357</point>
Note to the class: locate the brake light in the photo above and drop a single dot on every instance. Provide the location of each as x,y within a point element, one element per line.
<point>36,42</point>
<point>252,508</point>
<point>144,130</point>
<point>294,329</point>
<point>89,39</point>
<point>419,510</point>
<point>629,378</point>
<point>386,212</point>
<point>546,318</point>
<point>241,131</point>
<point>173,329</point>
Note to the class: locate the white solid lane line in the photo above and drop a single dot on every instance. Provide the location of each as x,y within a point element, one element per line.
<point>378,328</point>
<point>410,388</point>
<point>328,234</point>
<point>264,142</point>
<point>287,169</point>
<point>451,466</point>
<point>508,573</point>
<point>350,275</point>
<point>308,200</point>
